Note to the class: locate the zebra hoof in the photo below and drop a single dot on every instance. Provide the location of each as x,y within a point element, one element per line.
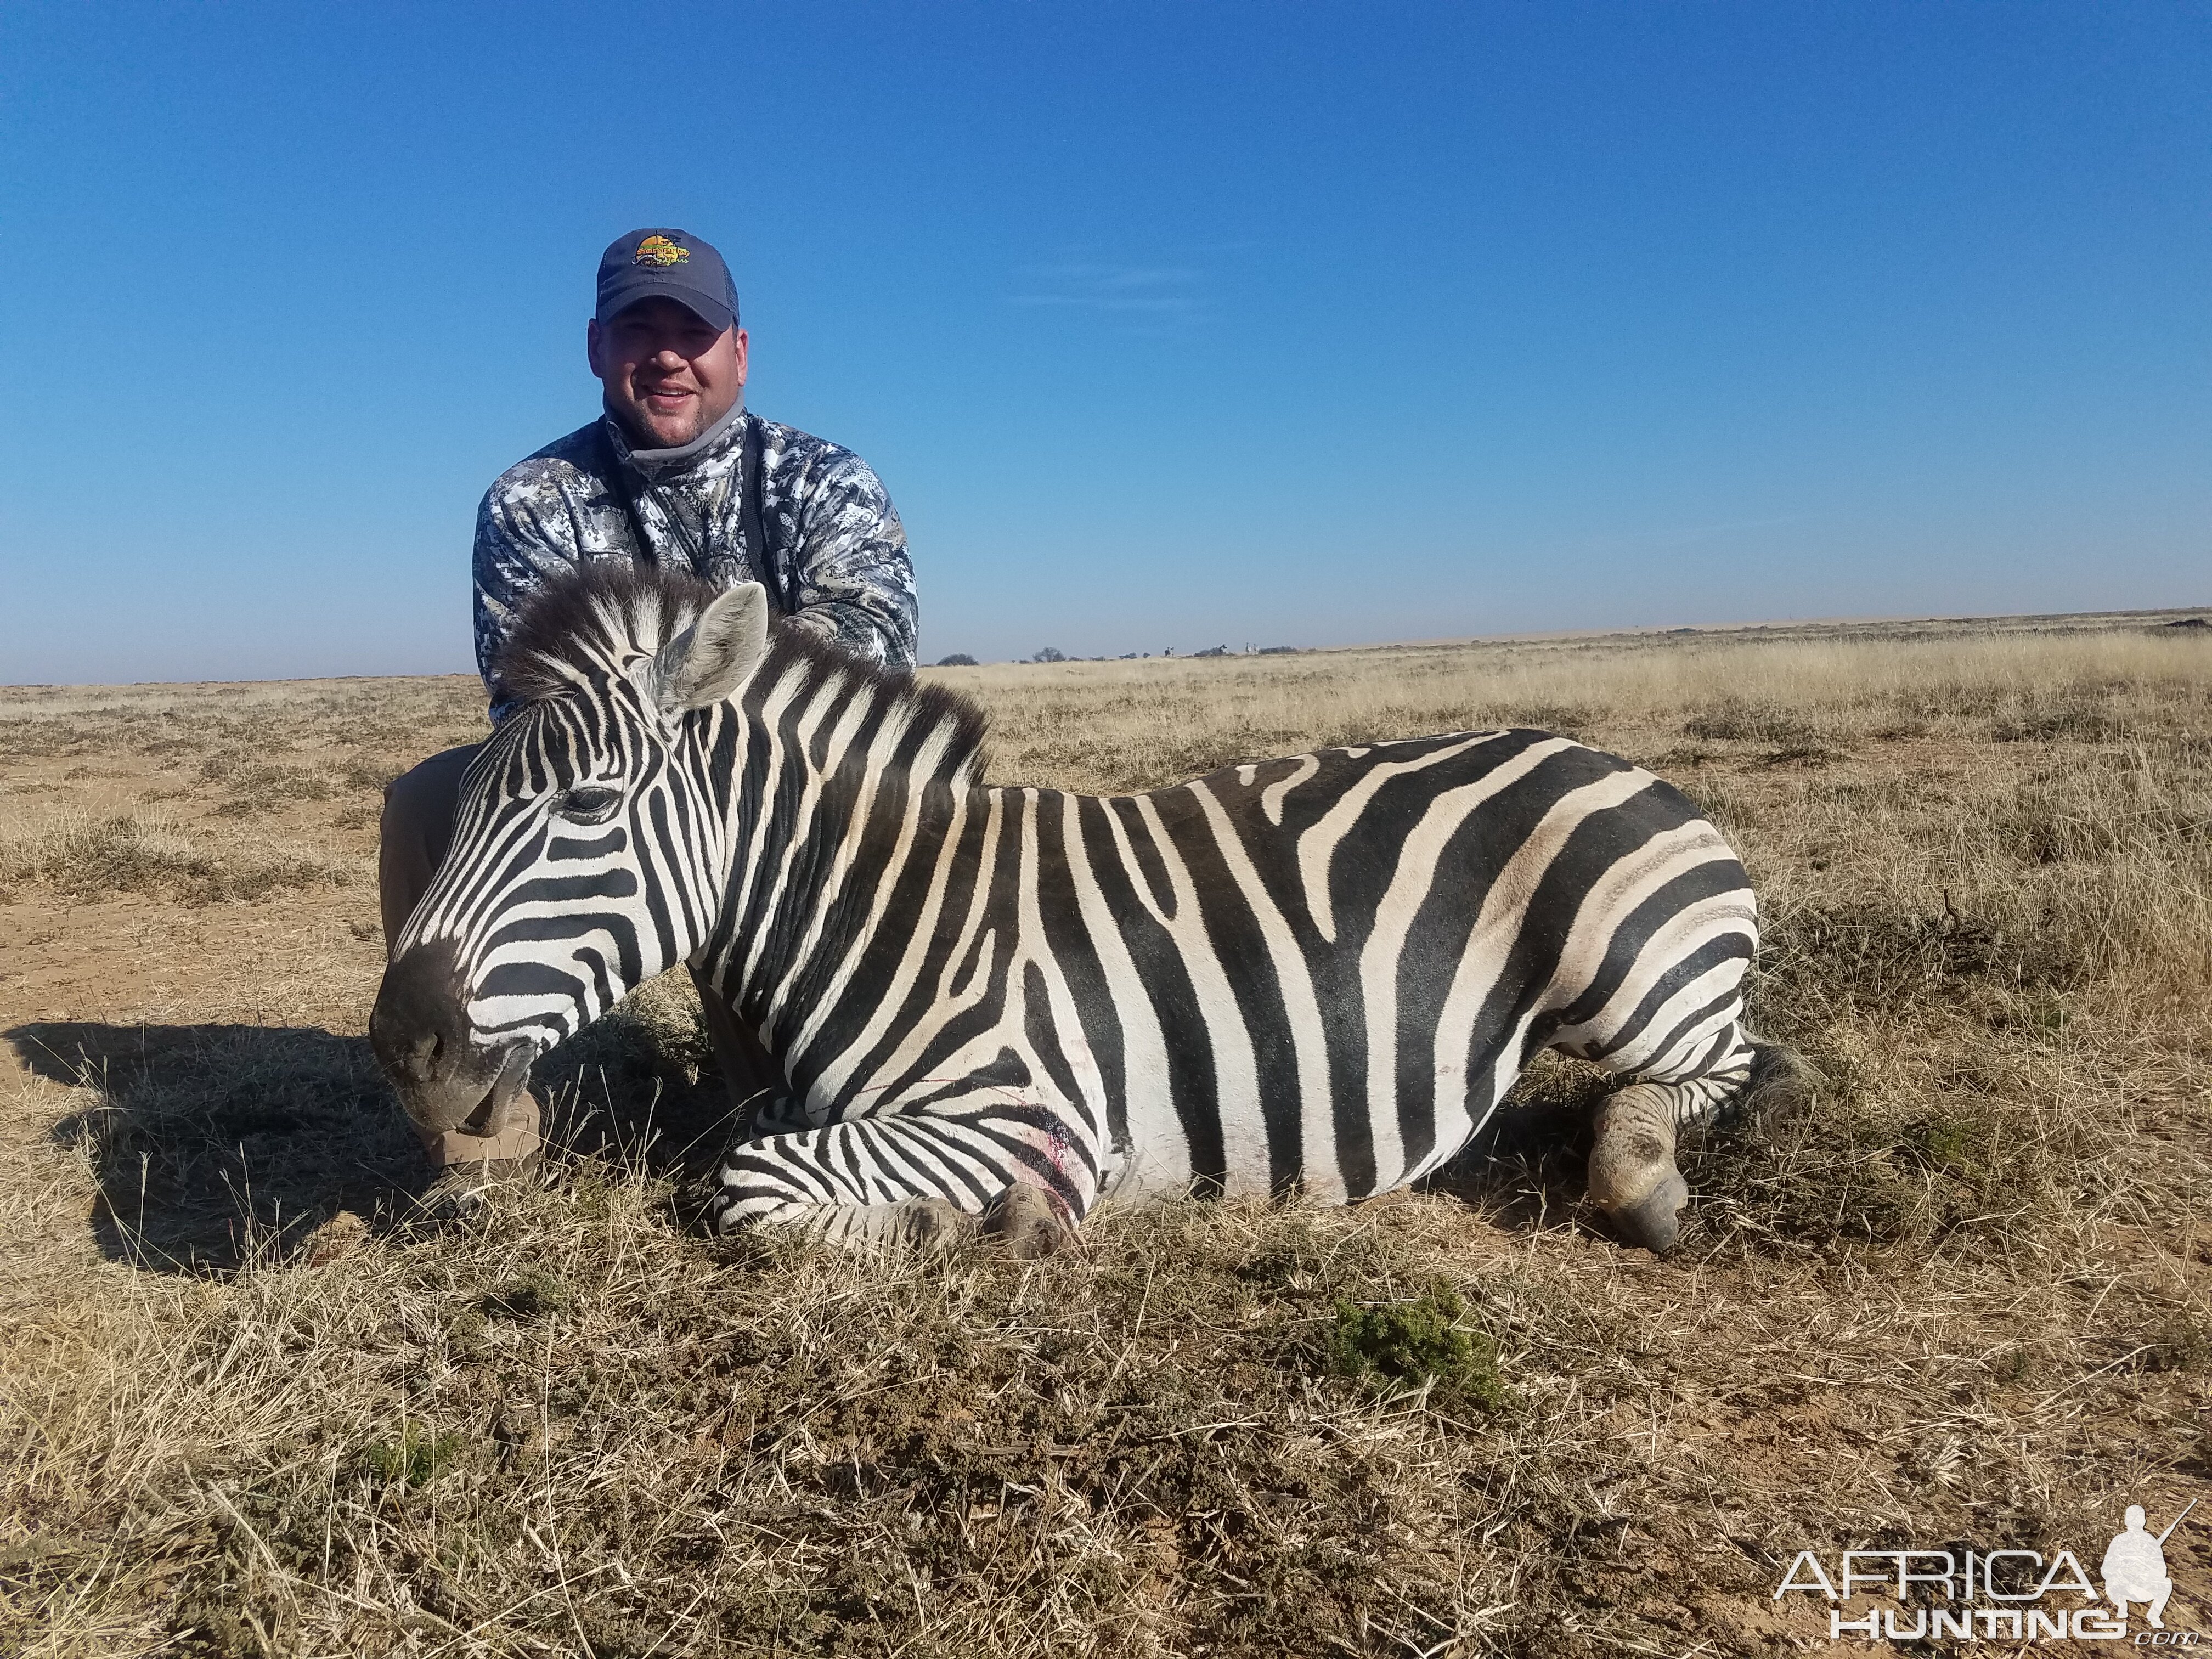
<point>1029,1222</point>
<point>1655,1221</point>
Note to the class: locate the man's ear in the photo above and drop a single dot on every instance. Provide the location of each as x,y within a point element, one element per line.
<point>708,661</point>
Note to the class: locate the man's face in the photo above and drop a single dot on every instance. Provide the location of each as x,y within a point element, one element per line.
<point>668,375</point>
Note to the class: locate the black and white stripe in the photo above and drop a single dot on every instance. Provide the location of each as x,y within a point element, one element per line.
<point>1318,973</point>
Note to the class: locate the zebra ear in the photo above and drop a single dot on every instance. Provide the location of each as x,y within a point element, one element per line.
<point>710,660</point>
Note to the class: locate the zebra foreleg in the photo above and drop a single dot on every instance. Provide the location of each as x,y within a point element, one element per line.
<point>921,1181</point>
<point>929,1226</point>
<point>1632,1175</point>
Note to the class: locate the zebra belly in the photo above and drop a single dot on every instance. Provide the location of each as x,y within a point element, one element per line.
<point>1162,1161</point>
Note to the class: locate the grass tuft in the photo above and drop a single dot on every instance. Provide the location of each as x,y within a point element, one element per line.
<point>131,852</point>
<point>2185,1344</point>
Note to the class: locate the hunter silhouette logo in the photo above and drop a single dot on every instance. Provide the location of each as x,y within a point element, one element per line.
<point>660,252</point>
<point>2002,1595</point>
<point>2135,1567</point>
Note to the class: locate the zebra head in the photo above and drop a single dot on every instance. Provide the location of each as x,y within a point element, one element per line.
<point>587,852</point>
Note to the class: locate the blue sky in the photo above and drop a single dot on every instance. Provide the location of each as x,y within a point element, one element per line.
<point>1165,326</point>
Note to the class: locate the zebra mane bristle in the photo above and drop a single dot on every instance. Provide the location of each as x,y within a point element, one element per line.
<point>585,619</point>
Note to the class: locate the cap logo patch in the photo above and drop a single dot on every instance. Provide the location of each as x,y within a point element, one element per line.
<point>660,251</point>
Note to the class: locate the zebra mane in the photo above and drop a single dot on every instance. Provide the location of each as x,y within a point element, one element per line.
<point>587,620</point>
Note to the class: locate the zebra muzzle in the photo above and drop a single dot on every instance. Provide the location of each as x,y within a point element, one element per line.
<point>420,1029</point>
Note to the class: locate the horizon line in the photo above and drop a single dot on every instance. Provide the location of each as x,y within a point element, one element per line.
<point>1640,631</point>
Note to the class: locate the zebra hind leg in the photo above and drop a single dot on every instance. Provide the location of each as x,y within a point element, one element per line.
<point>1632,1168</point>
<point>1632,1175</point>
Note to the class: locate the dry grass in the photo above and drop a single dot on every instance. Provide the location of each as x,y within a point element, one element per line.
<point>140,852</point>
<point>265,1402</point>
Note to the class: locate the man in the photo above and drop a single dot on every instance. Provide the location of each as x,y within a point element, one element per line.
<point>676,472</point>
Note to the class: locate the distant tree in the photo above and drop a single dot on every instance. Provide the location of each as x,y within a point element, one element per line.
<point>1052,653</point>
<point>957,659</point>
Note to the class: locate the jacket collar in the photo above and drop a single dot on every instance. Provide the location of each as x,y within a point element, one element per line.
<point>662,464</point>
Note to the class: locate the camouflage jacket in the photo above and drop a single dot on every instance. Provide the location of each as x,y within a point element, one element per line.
<point>839,549</point>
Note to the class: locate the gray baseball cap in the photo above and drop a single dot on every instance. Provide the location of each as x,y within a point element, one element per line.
<point>672,264</point>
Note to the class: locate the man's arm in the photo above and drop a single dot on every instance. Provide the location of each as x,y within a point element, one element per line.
<point>528,529</point>
<point>855,585</point>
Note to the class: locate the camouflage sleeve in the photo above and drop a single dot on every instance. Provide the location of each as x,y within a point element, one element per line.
<point>855,585</point>
<point>526,529</point>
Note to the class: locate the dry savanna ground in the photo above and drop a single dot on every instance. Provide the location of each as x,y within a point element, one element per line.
<point>259,1399</point>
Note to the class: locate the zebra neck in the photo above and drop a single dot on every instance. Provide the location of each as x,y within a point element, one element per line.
<point>924,920</point>
<point>826,834</point>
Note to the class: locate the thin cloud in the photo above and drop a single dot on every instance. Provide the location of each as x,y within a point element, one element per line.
<point>1688,536</point>
<point>1158,293</point>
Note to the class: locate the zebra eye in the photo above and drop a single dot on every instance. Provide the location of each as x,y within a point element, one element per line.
<point>590,803</point>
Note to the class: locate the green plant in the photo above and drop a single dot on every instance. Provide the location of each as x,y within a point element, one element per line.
<point>1941,1141</point>
<point>2185,1344</point>
<point>1402,1347</point>
<point>532,1293</point>
<point>418,1456</point>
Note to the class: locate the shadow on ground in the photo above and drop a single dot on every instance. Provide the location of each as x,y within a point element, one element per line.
<point>636,1091</point>
<point>1525,1167</point>
<point>220,1146</point>
<point>217,1147</point>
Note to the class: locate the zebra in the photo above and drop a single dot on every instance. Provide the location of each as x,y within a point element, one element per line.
<point>1319,975</point>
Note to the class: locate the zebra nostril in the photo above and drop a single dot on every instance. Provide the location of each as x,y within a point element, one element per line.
<point>419,1026</point>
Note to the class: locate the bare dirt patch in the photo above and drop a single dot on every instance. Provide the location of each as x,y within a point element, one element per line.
<point>263,1402</point>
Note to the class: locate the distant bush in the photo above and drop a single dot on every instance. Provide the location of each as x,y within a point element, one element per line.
<point>1052,653</point>
<point>957,659</point>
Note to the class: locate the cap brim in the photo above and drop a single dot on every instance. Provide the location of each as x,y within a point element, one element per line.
<point>705,307</point>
